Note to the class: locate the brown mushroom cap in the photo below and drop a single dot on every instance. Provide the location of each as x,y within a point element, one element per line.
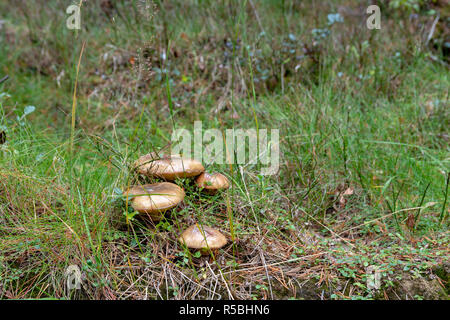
<point>154,199</point>
<point>202,238</point>
<point>212,181</point>
<point>168,167</point>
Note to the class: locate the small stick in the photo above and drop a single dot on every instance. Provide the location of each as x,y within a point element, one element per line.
<point>433,27</point>
<point>4,79</point>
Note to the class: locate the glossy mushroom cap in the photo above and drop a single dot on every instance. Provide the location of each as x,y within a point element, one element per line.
<point>168,167</point>
<point>211,182</point>
<point>154,199</point>
<point>202,237</point>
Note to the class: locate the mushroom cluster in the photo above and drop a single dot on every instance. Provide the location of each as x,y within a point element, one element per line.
<point>153,200</point>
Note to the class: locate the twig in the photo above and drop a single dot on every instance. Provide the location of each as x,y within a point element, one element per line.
<point>257,17</point>
<point>263,260</point>
<point>388,215</point>
<point>230,295</point>
<point>241,170</point>
<point>280,262</point>
<point>433,27</point>
<point>74,98</point>
<point>198,284</point>
<point>4,79</point>
<point>443,212</point>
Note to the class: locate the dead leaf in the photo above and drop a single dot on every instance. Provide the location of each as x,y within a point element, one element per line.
<point>184,36</point>
<point>342,201</point>
<point>201,63</point>
<point>429,107</point>
<point>348,192</point>
<point>410,221</point>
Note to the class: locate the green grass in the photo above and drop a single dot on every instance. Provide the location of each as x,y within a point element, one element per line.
<point>359,110</point>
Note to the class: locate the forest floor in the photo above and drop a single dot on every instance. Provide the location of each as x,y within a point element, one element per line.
<point>357,210</point>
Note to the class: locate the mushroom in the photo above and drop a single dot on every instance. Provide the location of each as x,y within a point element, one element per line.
<point>211,182</point>
<point>155,199</point>
<point>205,238</point>
<point>168,167</point>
